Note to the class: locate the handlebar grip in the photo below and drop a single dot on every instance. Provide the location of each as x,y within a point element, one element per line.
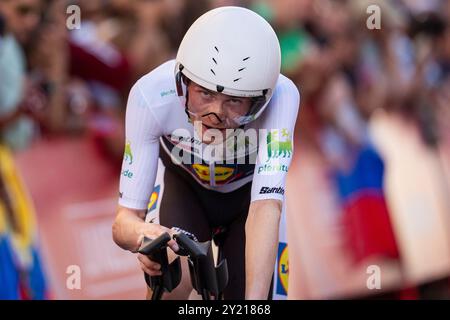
<point>149,246</point>
<point>188,245</point>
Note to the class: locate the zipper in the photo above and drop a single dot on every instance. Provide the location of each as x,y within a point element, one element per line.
<point>212,174</point>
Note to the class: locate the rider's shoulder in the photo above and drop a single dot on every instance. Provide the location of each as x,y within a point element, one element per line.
<point>285,86</point>
<point>158,85</point>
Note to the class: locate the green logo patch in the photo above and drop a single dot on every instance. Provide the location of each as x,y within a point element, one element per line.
<point>279,147</point>
<point>128,155</point>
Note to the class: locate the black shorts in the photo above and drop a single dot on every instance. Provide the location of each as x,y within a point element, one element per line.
<point>187,205</point>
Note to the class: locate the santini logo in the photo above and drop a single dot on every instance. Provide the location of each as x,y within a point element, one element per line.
<point>264,190</point>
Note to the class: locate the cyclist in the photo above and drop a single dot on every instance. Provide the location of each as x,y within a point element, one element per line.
<point>223,89</point>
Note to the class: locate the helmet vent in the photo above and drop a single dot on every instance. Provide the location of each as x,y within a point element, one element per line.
<point>245,59</point>
<point>215,61</point>
<point>241,69</point>
<point>235,80</point>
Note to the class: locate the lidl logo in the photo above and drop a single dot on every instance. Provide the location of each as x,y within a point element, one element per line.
<point>154,198</point>
<point>279,147</point>
<point>128,155</point>
<point>283,269</point>
<point>221,174</point>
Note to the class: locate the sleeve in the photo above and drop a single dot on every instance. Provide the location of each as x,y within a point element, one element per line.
<point>140,161</point>
<point>276,144</point>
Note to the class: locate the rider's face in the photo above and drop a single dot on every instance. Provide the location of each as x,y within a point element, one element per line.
<point>215,108</point>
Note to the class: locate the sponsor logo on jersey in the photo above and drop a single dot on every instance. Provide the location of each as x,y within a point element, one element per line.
<point>128,155</point>
<point>154,198</point>
<point>192,140</point>
<point>265,190</point>
<point>221,174</point>
<point>279,147</point>
<point>120,195</point>
<point>266,168</point>
<point>127,173</point>
<point>167,93</point>
<point>283,269</point>
<point>189,144</point>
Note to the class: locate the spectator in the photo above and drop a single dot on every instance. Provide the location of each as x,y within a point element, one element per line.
<point>19,18</point>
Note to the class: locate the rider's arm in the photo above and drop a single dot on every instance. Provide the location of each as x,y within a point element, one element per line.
<point>268,189</point>
<point>129,227</point>
<point>140,162</point>
<point>139,169</point>
<point>261,231</point>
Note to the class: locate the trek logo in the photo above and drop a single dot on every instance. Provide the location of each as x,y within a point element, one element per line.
<point>177,138</point>
<point>279,148</point>
<point>265,190</point>
<point>128,155</point>
<point>127,173</point>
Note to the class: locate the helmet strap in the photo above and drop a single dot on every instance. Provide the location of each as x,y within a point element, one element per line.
<point>186,108</point>
<point>178,81</point>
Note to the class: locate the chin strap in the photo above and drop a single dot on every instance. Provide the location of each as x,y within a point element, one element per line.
<point>186,108</point>
<point>179,83</point>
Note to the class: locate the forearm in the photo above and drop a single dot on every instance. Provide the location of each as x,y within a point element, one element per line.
<point>261,232</point>
<point>128,228</point>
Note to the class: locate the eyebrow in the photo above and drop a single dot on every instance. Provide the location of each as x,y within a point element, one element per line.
<point>199,87</point>
<point>205,89</point>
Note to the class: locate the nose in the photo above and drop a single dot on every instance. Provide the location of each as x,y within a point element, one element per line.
<point>216,113</point>
<point>213,118</point>
<point>217,108</point>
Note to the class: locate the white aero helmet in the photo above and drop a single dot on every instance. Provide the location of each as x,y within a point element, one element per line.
<point>234,51</point>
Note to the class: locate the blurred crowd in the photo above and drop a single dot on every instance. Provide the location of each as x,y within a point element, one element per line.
<point>62,79</point>
<point>55,81</point>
